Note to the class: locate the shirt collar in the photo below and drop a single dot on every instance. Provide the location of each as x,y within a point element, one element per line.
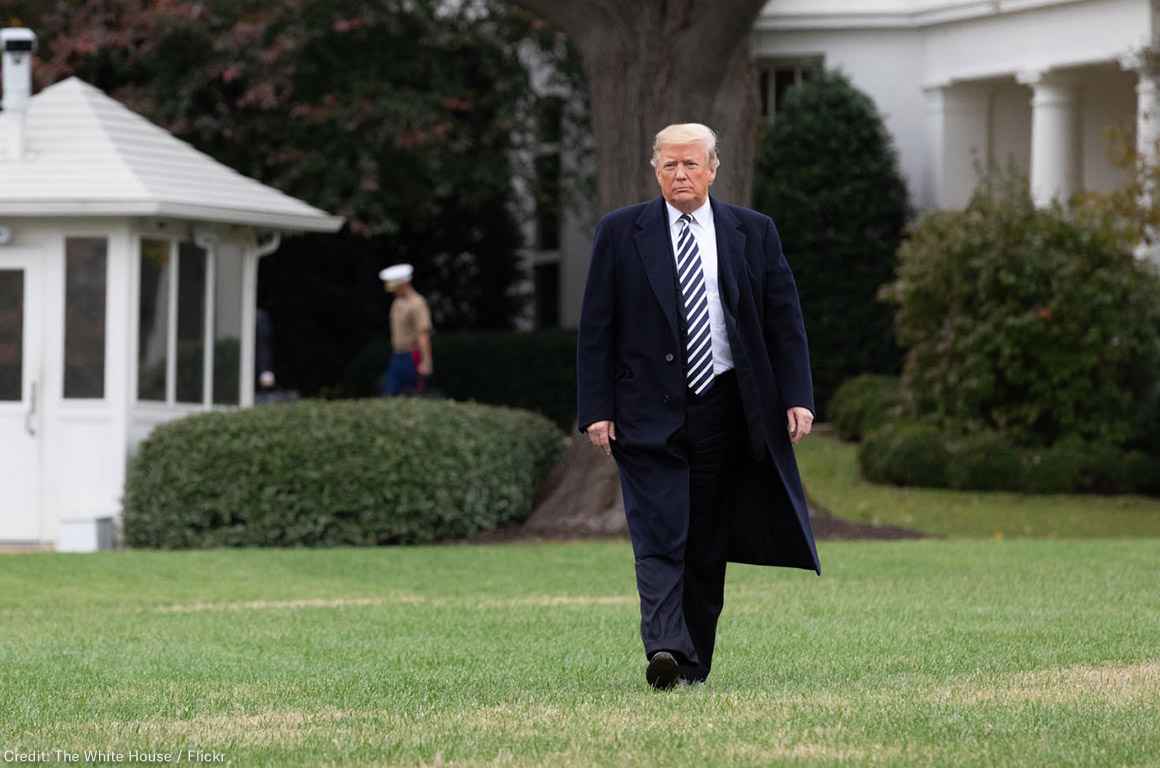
<point>702,215</point>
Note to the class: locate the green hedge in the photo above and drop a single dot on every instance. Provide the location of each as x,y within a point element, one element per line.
<point>919,454</point>
<point>351,472</point>
<point>535,370</point>
<point>864,403</point>
<point>905,454</point>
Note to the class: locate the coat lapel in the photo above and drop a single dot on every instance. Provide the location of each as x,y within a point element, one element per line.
<point>655,248</point>
<point>730,254</point>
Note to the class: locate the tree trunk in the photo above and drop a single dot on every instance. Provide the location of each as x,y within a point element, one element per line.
<point>650,63</point>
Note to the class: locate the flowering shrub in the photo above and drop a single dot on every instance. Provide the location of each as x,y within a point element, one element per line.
<point>1037,323</point>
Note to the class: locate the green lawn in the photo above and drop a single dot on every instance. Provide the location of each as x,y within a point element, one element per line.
<point>932,653</point>
<point>830,472</point>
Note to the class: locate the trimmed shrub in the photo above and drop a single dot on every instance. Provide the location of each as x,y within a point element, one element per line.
<point>535,371</point>
<point>1142,472</point>
<point>317,473</point>
<point>1054,469</point>
<point>1033,322</point>
<point>1146,436</point>
<point>864,403</point>
<point>914,453</point>
<point>1075,466</point>
<point>827,173</point>
<point>905,453</point>
<point>985,461</point>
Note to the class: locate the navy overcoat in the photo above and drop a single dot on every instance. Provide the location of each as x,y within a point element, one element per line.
<point>630,371</point>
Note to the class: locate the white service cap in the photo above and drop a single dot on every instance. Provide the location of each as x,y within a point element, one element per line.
<point>397,273</point>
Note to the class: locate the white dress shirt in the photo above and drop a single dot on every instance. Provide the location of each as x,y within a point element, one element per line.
<point>705,231</point>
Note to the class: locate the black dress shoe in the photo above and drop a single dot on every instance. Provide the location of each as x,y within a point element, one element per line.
<point>663,671</point>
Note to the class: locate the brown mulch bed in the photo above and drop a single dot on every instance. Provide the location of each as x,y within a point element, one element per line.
<point>837,528</point>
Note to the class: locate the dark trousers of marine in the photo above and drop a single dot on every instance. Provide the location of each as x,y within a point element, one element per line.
<point>680,552</point>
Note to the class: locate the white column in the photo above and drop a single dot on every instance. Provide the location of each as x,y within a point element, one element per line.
<point>1145,62</point>
<point>958,142</point>
<point>1055,147</point>
<point>932,192</point>
<point>1147,115</point>
<point>249,325</point>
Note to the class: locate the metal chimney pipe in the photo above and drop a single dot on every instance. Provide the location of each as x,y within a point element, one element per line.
<point>16,46</point>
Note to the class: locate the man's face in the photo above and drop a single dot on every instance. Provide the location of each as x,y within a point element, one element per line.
<point>684,174</point>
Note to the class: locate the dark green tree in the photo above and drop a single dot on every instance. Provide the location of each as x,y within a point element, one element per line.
<point>827,173</point>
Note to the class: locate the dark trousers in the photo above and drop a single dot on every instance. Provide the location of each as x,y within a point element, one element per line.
<point>401,377</point>
<point>680,561</point>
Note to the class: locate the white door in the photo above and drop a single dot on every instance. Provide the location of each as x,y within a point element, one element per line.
<point>21,395</point>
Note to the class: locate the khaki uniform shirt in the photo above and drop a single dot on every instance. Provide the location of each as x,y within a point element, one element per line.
<point>409,318</point>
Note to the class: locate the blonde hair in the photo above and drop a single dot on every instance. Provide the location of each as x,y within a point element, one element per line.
<point>687,133</point>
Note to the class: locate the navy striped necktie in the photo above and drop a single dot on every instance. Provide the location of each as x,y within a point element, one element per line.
<point>698,342</point>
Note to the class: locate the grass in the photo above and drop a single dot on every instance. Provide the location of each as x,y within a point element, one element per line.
<point>919,653</point>
<point>829,470</point>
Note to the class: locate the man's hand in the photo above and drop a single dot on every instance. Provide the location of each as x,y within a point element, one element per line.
<point>801,421</point>
<point>600,432</point>
<point>425,368</point>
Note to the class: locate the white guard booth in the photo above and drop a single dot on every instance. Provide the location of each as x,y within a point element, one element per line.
<point>128,276</point>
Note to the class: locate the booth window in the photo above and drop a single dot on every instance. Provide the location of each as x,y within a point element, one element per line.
<point>227,325</point>
<point>153,320</point>
<point>86,263</point>
<point>191,316</point>
<point>11,333</point>
<point>190,323</point>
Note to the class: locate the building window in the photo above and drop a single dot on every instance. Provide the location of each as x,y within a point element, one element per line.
<point>776,79</point>
<point>550,119</point>
<point>85,267</point>
<point>153,320</point>
<point>548,207</point>
<point>191,315</point>
<point>547,284</point>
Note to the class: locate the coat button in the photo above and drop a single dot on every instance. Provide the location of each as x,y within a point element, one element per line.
<point>669,357</point>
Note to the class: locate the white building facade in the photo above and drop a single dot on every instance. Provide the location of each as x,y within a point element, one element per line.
<point>1037,84</point>
<point>963,86</point>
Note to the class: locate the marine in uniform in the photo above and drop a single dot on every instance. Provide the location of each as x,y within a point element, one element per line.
<point>411,361</point>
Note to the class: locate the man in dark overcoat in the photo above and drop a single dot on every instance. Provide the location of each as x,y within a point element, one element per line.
<point>693,373</point>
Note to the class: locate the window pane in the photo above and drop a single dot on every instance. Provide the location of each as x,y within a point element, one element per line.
<point>84,316</point>
<point>550,119</point>
<point>227,344</point>
<point>191,324</point>
<point>784,78</point>
<point>11,333</point>
<point>153,320</point>
<point>547,282</point>
<point>548,203</point>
